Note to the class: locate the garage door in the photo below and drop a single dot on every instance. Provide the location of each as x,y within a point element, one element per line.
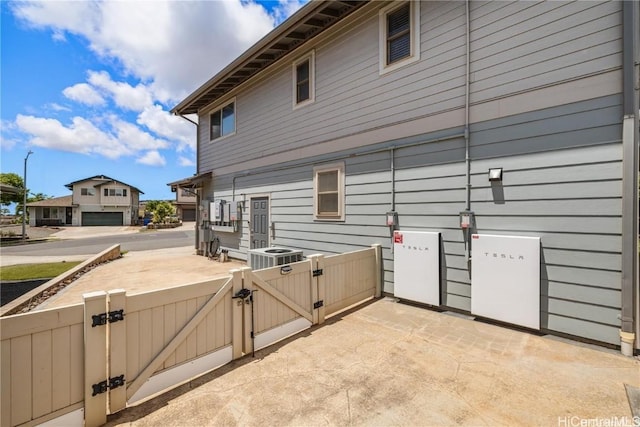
<point>101,218</point>
<point>188,214</point>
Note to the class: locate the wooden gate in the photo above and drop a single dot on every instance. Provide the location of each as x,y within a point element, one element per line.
<point>75,365</point>
<point>158,340</point>
<point>289,299</point>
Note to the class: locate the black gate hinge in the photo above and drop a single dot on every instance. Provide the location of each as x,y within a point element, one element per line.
<point>317,272</point>
<point>103,318</point>
<point>103,386</point>
<point>318,304</point>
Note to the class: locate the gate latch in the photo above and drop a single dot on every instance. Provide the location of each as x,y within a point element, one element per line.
<point>317,272</point>
<point>103,386</point>
<point>318,304</point>
<point>103,318</point>
<point>242,293</point>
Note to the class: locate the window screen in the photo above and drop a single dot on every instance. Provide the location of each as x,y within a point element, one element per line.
<point>302,81</point>
<point>328,193</point>
<point>398,34</point>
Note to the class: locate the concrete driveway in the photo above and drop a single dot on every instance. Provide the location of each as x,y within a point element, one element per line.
<point>88,232</point>
<point>394,364</point>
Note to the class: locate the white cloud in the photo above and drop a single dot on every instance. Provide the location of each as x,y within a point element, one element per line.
<point>57,107</point>
<point>169,48</point>
<point>173,44</point>
<point>133,137</point>
<point>7,140</point>
<point>183,161</point>
<point>123,94</point>
<point>166,125</point>
<point>152,158</point>
<point>286,8</point>
<point>84,94</point>
<point>82,136</point>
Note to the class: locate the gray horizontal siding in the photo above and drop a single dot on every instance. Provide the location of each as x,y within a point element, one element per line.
<point>562,166</point>
<point>515,47</point>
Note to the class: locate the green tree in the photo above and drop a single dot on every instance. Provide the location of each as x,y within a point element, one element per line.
<point>14,180</point>
<point>163,209</point>
<point>151,206</point>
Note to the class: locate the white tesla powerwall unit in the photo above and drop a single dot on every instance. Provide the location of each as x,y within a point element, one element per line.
<point>505,279</point>
<point>416,266</point>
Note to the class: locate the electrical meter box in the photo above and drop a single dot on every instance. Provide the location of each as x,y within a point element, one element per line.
<point>233,211</point>
<point>467,220</point>
<point>204,209</point>
<point>226,210</point>
<point>216,209</point>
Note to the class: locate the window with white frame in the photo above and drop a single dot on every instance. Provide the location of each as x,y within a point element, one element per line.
<point>88,191</point>
<point>399,35</point>
<point>304,80</point>
<point>222,122</point>
<point>328,184</point>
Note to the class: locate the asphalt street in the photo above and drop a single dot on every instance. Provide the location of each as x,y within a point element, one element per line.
<point>143,241</point>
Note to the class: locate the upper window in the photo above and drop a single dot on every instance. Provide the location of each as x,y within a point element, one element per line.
<point>304,80</point>
<point>399,35</point>
<point>222,122</point>
<point>120,192</point>
<point>87,191</point>
<point>328,183</point>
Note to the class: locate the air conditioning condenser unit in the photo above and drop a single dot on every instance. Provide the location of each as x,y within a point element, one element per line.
<point>273,256</point>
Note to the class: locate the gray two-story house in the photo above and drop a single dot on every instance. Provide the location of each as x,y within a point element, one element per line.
<point>354,120</point>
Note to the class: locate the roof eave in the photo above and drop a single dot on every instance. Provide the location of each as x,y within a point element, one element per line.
<point>280,33</point>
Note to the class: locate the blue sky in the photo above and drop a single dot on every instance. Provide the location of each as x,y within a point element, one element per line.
<point>87,86</point>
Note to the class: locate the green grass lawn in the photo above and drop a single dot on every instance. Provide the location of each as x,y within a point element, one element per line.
<point>35,271</point>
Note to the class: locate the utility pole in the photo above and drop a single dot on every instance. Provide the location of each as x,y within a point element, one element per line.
<point>24,199</point>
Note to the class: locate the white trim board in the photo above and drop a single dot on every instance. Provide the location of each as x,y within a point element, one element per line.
<point>281,332</point>
<point>181,374</point>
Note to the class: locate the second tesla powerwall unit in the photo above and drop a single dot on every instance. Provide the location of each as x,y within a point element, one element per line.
<point>416,266</point>
<point>505,279</point>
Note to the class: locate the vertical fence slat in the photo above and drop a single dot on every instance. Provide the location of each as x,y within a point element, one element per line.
<point>21,379</point>
<point>321,285</point>
<point>118,350</point>
<point>247,342</point>
<point>95,360</point>
<point>42,374</point>
<point>314,287</point>
<point>5,383</point>
<point>76,363</point>
<point>236,322</point>
<point>378,269</point>
<point>61,375</point>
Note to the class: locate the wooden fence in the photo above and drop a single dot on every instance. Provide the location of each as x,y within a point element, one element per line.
<point>75,365</point>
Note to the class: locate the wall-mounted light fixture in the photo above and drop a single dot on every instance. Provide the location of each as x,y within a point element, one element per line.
<point>495,174</point>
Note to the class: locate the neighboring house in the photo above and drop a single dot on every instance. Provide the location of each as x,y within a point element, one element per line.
<point>350,110</point>
<point>52,212</point>
<point>185,201</point>
<point>98,200</point>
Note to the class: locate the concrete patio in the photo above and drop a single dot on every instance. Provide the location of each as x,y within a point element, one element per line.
<point>394,364</point>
